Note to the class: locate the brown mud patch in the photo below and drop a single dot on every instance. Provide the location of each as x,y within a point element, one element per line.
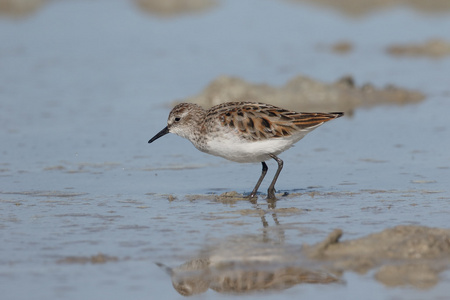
<point>232,197</point>
<point>94,259</point>
<point>20,8</point>
<point>305,94</point>
<point>403,255</point>
<point>342,47</point>
<point>170,8</point>
<point>358,8</point>
<point>435,48</point>
<point>225,198</point>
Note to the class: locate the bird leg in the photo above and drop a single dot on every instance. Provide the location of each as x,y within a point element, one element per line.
<point>271,190</point>
<point>263,173</point>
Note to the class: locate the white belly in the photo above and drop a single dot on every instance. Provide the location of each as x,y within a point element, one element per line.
<point>242,151</point>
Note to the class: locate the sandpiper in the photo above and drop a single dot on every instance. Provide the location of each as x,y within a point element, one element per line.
<point>243,132</point>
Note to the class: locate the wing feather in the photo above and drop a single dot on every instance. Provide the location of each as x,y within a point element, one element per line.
<point>259,121</point>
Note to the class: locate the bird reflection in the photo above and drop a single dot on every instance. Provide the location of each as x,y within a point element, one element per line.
<point>248,263</point>
<point>199,275</point>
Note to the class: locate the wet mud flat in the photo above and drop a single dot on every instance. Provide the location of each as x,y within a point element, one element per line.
<point>250,248</point>
<point>274,259</point>
<point>400,256</point>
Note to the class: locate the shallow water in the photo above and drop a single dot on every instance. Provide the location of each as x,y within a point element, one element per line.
<point>84,85</point>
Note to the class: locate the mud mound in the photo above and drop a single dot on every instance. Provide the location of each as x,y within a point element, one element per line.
<point>168,8</point>
<point>305,94</point>
<point>404,255</point>
<point>357,8</point>
<point>435,48</point>
<point>20,8</point>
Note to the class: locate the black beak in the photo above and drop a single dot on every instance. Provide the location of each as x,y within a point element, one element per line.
<point>159,134</point>
<point>165,268</point>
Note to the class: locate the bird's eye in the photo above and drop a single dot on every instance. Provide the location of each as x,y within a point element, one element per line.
<point>177,119</point>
